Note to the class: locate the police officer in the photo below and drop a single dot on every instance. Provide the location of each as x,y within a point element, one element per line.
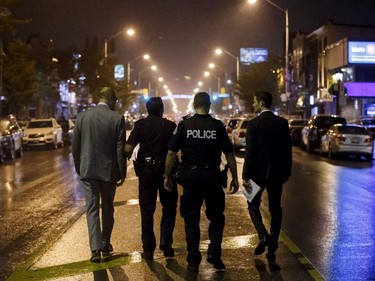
<point>152,134</point>
<point>202,139</point>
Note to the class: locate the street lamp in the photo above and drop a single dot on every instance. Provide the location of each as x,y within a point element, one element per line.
<point>145,56</point>
<point>129,32</point>
<point>152,67</point>
<point>220,51</point>
<point>160,79</point>
<point>207,73</point>
<point>286,39</point>
<point>212,66</point>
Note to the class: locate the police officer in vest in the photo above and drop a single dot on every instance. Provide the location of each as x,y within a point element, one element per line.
<point>152,134</point>
<point>201,139</point>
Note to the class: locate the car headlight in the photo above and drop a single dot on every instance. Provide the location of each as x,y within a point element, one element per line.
<point>51,133</point>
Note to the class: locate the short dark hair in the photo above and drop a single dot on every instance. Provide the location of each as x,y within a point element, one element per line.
<point>155,106</point>
<point>107,93</point>
<point>202,99</point>
<point>265,97</point>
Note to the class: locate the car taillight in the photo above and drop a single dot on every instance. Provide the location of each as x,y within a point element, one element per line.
<point>368,140</point>
<point>242,134</point>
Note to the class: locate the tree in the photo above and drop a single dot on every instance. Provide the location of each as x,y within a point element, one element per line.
<point>259,77</point>
<point>105,78</point>
<point>19,76</point>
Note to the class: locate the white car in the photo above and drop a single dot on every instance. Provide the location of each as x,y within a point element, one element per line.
<point>347,139</point>
<point>239,135</point>
<point>43,132</point>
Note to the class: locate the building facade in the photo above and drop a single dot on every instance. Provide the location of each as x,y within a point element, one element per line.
<point>333,71</point>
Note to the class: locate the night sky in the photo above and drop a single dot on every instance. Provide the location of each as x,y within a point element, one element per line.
<point>181,35</point>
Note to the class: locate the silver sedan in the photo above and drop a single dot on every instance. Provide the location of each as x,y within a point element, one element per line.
<point>348,139</point>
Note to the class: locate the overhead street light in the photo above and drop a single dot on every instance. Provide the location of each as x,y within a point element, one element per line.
<point>220,51</point>
<point>152,67</point>
<point>207,73</point>
<point>145,56</point>
<point>213,66</point>
<point>128,31</point>
<point>285,11</point>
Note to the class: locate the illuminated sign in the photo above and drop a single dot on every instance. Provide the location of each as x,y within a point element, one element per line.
<point>253,55</point>
<point>119,71</point>
<point>361,52</point>
<point>360,89</point>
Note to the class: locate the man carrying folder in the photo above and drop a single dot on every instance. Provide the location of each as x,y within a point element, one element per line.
<point>268,162</point>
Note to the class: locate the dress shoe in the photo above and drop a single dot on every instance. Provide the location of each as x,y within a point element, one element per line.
<point>107,251</point>
<point>167,250</point>
<point>192,267</point>
<point>261,247</point>
<point>95,256</point>
<point>147,255</point>
<point>216,262</point>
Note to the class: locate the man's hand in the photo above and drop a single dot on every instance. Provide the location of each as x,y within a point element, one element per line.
<point>234,186</point>
<point>246,184</point>
<point>120,182</point>
<point>168,183</point>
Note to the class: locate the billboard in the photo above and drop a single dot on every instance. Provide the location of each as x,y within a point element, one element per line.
<point>119,71</point>
<point>253,55</point>
<point>361,52</point>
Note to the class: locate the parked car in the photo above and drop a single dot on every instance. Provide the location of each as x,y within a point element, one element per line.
<point>368,122</point>
<point>316,127</point>
<point>43,132</point>
<point>11,134</point>
<point>67,127</point>
<point>230,124</point>
<point>295,128</point>
<point>348,139</point>
<point>239,134</point>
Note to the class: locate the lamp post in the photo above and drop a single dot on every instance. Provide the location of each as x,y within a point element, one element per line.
<point>212,66</point>
<point>129,32</point>
<point>145,56</point>
<point>160,79</point>
<point>220,51</point>
<point>286,40</point>
<point>152,67</point>
<point>207,73</point>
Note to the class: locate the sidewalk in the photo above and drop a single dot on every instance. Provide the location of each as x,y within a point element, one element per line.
<point>67,258</point>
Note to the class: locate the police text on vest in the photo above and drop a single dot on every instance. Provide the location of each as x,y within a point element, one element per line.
<point>201,134</point>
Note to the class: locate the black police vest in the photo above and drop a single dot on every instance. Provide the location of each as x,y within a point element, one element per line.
<point>201,146</point>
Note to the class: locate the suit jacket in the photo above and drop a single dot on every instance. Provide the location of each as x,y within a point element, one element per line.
<point>268,153</point>
<point>98,144</point>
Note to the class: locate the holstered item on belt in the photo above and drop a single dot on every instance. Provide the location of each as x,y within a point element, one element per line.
<point>224,176</point>
<point>177,171</point>
<point>153,162</point>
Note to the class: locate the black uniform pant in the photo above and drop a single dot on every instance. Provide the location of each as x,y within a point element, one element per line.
<point>202,185</point>
<point>150,182</point>
<point>274,190</point>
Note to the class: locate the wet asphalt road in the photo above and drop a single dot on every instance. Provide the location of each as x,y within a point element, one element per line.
<point>328,209</point>
<point>38,195</point>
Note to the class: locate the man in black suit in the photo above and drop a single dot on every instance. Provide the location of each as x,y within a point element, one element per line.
<point>98,152</point>
<point>268,162</point>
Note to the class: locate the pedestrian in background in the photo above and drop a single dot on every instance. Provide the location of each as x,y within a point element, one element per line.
<point>152,134</point>
<point>268,162</point>
<point>98,152</point>
<point>202,139</point>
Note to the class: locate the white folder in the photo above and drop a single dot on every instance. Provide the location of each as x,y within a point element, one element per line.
<point>250,193</point>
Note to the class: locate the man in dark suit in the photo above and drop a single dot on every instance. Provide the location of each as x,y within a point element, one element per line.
<point>98,152</point>
<point>268,162</point>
